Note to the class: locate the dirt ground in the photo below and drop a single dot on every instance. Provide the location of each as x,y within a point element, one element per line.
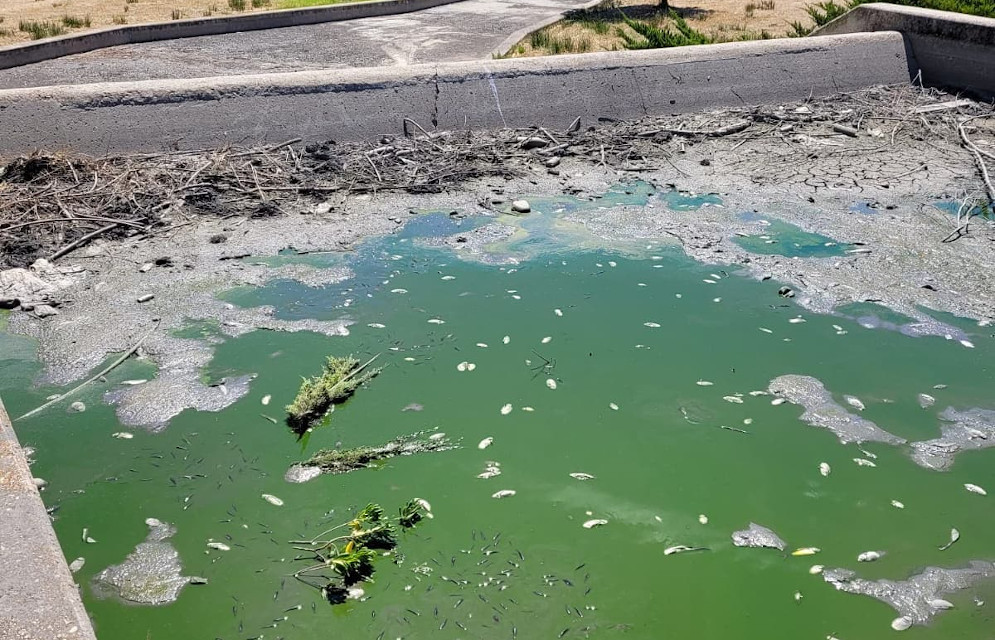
<point>723,20</point>
<point>109,13</point>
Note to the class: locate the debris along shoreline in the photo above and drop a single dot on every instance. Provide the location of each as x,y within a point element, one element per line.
<point>196,219</point>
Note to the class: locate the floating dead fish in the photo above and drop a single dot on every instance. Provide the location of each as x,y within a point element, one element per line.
<point>901,623</point>
<point>682,548</point>
<point>273,500</point>
<point>704,383</point>
<point>219,546</point>
<point>967,343</point>
<point>577,475</point>
<point>897,504</point>
<point>123,435</point>
<point>482,345</point>
<point>486,442</point>
<point>551,383</point>
<point>973,488</point>
<point>816,569</point>
<point>447,278</point>
<point>777,401</point>
<point>506,409</point>
<point>854,402</point>
<point>462,366</point>
<point>954,537</point>
<point>766,330</point>
<point>546,340</point>
<point>613,406</point>
<point>825,469</point>
<point>398,290</point>
<point>134,383</point>
<point>868,454</point>
<point>597,522</point>
<point>796,320</point>
<point>864,462</point>
<point>702,519</point>
<point>86,536</point>
<point>798,596</point>
<point>806,551</point>
<point>437,436</point>
<point>414,406</point>
<point>733,399</point>
<point>940,604</point>
<point>376,325</point>
<point>925,400</point>
<point>436,321</point>
<point>506,339</point>
<point>870,556</point>
<point>652,325</point>
<point>504,493</point>
<point>529,409</point>
<point>558,313</point>
<point>708,281</point>
<point>266,400</point>
<point>76,564</point>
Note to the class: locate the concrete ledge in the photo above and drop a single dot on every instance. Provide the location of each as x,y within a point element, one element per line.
<point>364,103</point>
<point>38,600</point>
<point>50,48</point>
<point>952,50</point>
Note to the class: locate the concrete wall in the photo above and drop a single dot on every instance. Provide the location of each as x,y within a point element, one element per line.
<point>22,54</point>
<point>38,600</point>
<point>364,103</point>
<point>953,51</point>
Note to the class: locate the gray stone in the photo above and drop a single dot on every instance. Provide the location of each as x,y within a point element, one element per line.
<point>521,206</point>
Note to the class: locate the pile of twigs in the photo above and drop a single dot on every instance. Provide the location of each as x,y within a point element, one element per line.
<point>52,204</point>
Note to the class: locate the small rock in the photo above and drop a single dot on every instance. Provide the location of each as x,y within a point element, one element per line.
<point>146,298</point>
<point>78,407</point>
<point>786,292</point>
<point>9,303</point>
<point>521,206</point>
<point>534,143</point>
<point>44,311</point>
<point>164,261</point>
<point>553,162</point>
<point>40,483</point>
<point>218,238</point>
<point>145,268</point>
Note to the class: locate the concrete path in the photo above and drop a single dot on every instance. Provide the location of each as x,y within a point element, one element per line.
<point>468,30</point>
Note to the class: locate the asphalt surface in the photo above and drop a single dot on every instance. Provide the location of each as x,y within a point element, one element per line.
<point>468,30</point>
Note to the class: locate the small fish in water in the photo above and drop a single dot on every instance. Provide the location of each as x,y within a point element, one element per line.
<point>77,564</point>
<point>506,339</point>
<point>437,436</point>
<point>825,469</point>
<point>806,551</point>
<point>733,399</point>
<point>940,604</point>
<point>266,400</point>
<point>704,383</point>
<point>613,406</point>
<point>870,556</point>
<point>597,522</point>
<point>482,345</point>
<point>798,596</point>
<point>854,402</point>
<point>86,536</point>
<point>273,500</point>
<point>504,493</point>
<point>681,548</point>
<point>702,519</point>
<point>954,537</point>
<point>558,313</point>
<point>123,435</point>
<point>796,320</point>
<point>488,441</point>
<point>462,366</point>
<point>652,325</point>
<point>220,546</point>
<point>376,325</point>
<point>925,400</point>
<point>967,343</point>
<point>506,409</point>
<point>447,278</point>
<point>973,488</point>
<point>901,623</point>
<point>777,401</point>
<point>551,383</point>
<point>864,462</point>
<point>436,321</point>
<point>579,475</point>
<point>816,569</point>
<point>897,504</point>
<point>868,454</point>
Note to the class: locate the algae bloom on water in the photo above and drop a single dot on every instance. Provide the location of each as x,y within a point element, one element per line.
<point>339,379</point>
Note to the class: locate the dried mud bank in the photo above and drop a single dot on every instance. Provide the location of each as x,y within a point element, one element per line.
<point>152,239</point>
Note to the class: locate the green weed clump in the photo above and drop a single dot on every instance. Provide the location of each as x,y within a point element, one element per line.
<point>337,383</point>
<point>39,30</point>
<point>662,37</point>
<point>336,461</point>
<point>237,5</point>
<point>75,22</point>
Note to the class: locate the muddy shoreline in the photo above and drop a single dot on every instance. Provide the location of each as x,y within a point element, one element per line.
<point>875,191</point>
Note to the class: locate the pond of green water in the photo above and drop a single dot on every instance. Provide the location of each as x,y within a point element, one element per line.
<point>636,331</point>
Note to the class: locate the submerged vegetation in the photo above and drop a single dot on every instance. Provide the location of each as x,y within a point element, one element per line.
<point>336,461</point>
<point>339,379</point>
<point>346,559</point>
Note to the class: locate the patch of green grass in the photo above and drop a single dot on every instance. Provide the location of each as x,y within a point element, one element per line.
<point>237,5</point>
<point>256,4</point>
<point>177,14</point>
<point>662,37</point>
<point>75,22</point>
<point>545,41</point>
<point>39,30</point>
<point>824,12</point>
<point>119,20</point>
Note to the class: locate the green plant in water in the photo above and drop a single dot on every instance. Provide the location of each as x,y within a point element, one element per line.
<point>337,383</point>
<point>334,461</point>
<point>349,557</point>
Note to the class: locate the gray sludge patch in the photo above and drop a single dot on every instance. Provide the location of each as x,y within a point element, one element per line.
<point>822,411</point>
<point>758,536</point>
<point>961,431</point>
<point>918,598</point>
<point>150,574</point>
<point>153,404</point>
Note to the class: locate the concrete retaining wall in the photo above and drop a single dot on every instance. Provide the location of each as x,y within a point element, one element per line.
<point>38,600</point>
<point>364,103</point>
<point>953,51</point>
<point>18,55</point>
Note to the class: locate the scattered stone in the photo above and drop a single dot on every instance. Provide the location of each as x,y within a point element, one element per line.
<point>145,298</point>
<point>534,143</point>
<point>552,162</point>
<point>521,206</point>
<point>218,238</point>
<point>758,536</point>
<point>45,310</point>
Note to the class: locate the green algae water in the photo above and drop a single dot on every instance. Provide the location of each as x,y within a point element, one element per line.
<point>631,335</point>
